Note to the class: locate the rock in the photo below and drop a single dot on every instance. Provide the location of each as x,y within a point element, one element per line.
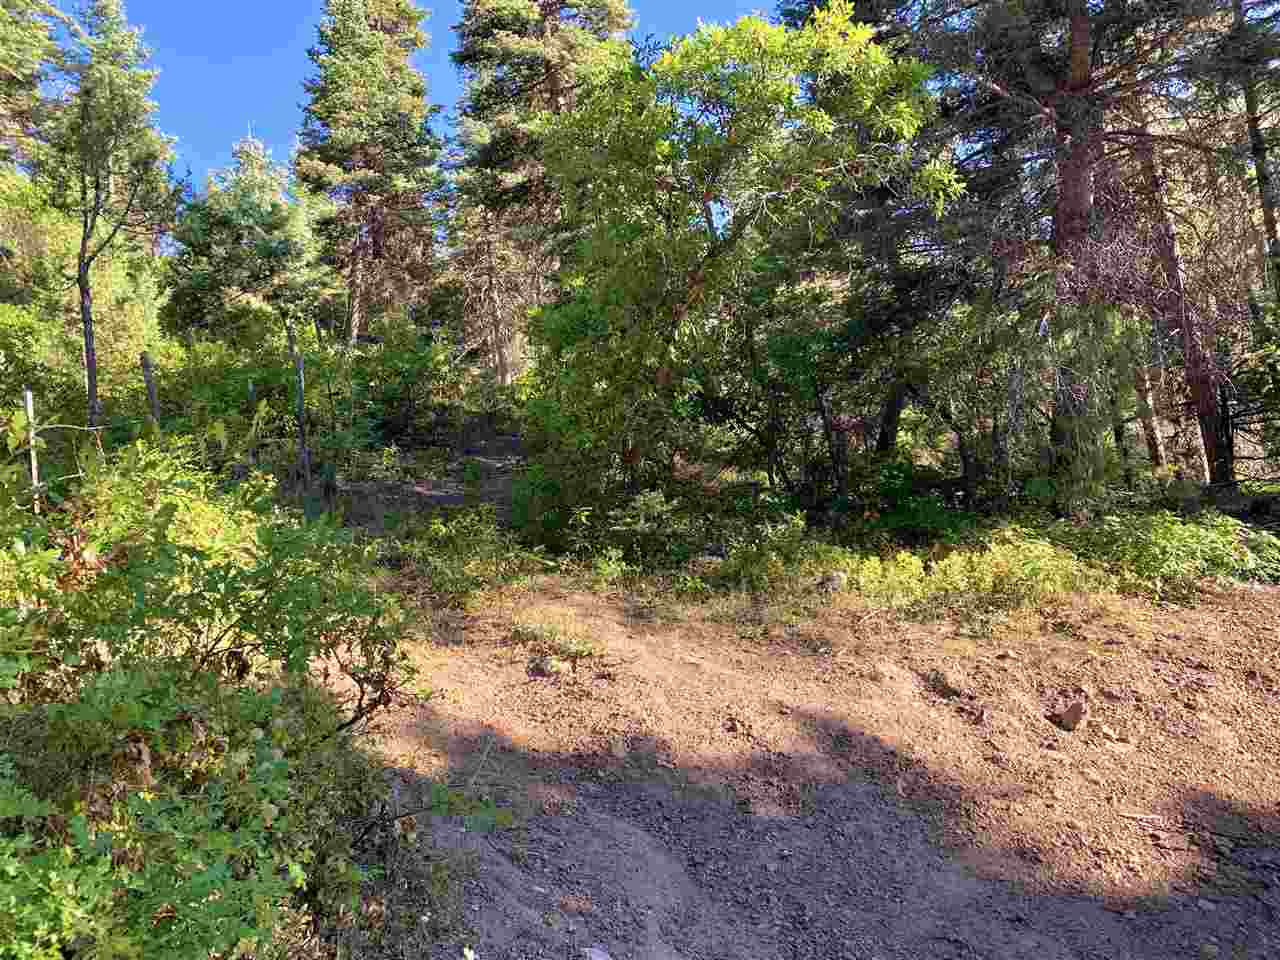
<point>1006,655</point>
<point>943,685</point>
<point>596,953</point>
<point>1209,951</point>
<point>1208,906</point>
<point>1072,718</point>
<point>546,666</point>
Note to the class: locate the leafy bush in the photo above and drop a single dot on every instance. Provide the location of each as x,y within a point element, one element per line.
<point>1165,553</point>
<point>1015,567</point>
<point>457,554</point>
<point>176,778</point>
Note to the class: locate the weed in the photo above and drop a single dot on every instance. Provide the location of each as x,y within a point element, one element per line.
<point>557,642</point>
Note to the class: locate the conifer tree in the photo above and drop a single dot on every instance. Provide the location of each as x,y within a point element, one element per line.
<point>367,145</point>
<point>244,239</point>
<point>25,48</point>
<point>520,60</point>
<point>102,158</point>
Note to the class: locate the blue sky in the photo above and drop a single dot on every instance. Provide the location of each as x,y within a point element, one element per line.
<point>239,64</point>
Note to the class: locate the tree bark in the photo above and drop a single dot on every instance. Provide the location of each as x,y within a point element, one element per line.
<point>1181,320</point>
<point>90,345</point>
<point>1258,149</point>
<point>891,418</point>
<point>1147,417</point>
<point>355,291</point>
<point>1077,142</point>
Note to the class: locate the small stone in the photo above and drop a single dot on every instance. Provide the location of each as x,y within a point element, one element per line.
<point>1092,777</point>
<point>546,666</point>
<point>1131,914</point>
<point>1006,655</point>
<point>1208,906</point>
<point>943,685</point>
<point>835,582</point>
<point>1112,694</point>
<point>1108,732</point>
<point>1072,718</point>
<point>596,953</point>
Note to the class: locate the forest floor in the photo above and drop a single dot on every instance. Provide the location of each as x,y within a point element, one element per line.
<point>810,778</point>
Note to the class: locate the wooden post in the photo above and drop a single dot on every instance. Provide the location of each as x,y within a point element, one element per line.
<point>31,441</point>
<point>153,396</point>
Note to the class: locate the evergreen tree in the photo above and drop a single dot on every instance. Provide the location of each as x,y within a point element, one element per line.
<point>102,159</point>
<point>244,241</point>
<point>366,144</point>
<point>520,60</point>
<point>25,47</point>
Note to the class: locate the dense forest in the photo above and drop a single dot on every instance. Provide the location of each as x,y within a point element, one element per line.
<point>917,302</point>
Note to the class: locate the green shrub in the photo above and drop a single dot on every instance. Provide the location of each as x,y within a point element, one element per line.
<point>456,554</point>
<point>179,818</point>
<point>1015,567</point>
<point>176,778</point>
<point>1165,553</point>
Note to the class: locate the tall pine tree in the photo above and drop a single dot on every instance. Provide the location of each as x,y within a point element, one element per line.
<point>367,145</point>
<point>520,60</point>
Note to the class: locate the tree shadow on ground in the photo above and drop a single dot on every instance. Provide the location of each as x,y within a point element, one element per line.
<point>846,850</point>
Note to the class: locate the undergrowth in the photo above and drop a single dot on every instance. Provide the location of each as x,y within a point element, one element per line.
<point>185,671</point>
<point>1155,553</point>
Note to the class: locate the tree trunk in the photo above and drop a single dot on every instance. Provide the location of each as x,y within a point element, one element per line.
<point>1258,149</point>
<point>355,291</point>
<point>1147,417</point>
<point>891,418</point>
<point>90,345</point>
<point>1077,141</point>
<point>1181,320</point>
<point>1225,444</point>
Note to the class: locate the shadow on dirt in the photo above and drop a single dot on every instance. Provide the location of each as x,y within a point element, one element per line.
<point>837,853</point>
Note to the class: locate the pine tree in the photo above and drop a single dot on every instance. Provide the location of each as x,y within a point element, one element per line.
<point>25,48</point>
<point>245,239</point>
<point>520,60</point>
<point>367,145</point>
<point>103,160</point>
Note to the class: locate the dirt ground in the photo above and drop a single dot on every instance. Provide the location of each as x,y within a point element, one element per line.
<point>809,778</point>
<point>813,779</point>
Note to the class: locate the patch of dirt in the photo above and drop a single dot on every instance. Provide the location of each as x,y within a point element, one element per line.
<point>482,469</point>
<point>818,780</point>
